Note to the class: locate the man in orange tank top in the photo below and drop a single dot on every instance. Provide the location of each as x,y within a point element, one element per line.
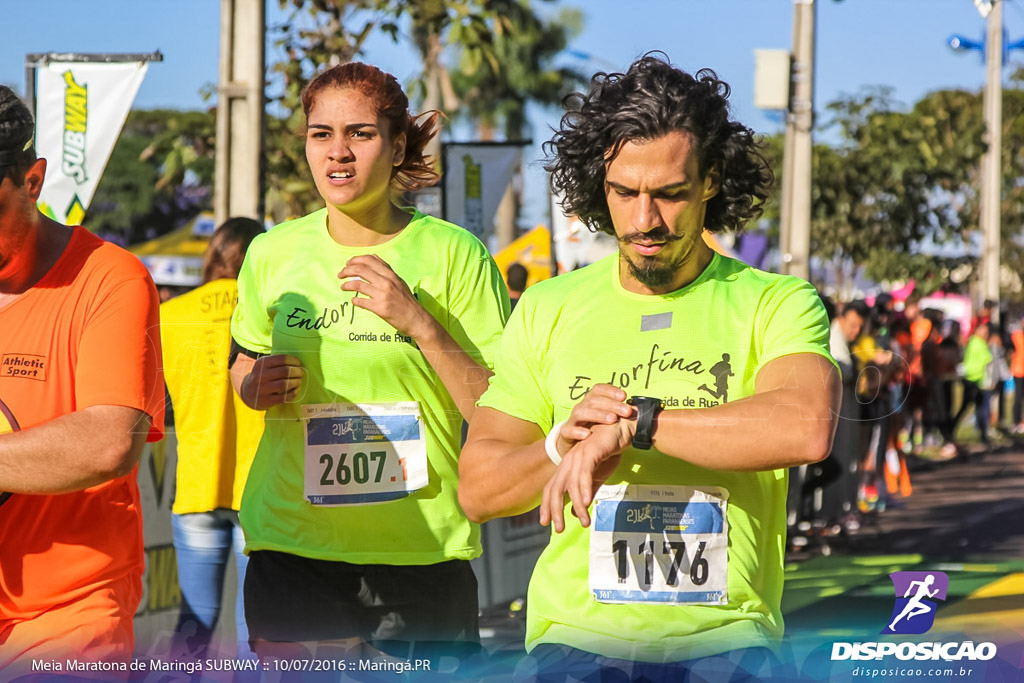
<point>80,394</point>
<point>1017,370</point>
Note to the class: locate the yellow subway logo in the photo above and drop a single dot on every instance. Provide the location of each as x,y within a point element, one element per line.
<point>76,108</point>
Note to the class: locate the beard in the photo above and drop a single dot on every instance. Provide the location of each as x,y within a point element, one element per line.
<point>650,271</point>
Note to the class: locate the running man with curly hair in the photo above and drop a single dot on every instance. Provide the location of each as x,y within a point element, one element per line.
<point>659,395</point>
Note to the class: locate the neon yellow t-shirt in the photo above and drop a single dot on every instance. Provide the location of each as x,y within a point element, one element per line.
<point>290,301</point>
<point>217,433</point>
<point>697,347</point>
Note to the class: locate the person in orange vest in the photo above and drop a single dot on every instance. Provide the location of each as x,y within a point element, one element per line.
<point>81,392</point>
<point>1017,369</point>
<point>984,315</point>
<point>917,391</point>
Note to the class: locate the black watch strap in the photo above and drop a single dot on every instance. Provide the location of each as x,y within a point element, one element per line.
<point>647,409</point>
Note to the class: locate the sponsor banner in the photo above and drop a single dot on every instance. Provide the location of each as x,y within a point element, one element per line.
<point>475,179</point>
<point>178,271</point>
<point>80,109</point>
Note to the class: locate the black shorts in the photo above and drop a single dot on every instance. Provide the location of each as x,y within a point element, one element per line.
<point>289,598</point>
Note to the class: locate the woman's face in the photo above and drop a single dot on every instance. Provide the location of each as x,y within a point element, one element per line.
<point>349,150</point>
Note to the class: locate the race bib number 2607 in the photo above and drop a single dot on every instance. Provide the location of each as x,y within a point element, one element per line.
<point>659,544</point>
<point>357,454</point>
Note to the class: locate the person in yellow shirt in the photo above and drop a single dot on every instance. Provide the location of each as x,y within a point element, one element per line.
<point>217,438</point>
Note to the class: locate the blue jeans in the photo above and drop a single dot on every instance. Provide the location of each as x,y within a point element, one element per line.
<point>202,543</point>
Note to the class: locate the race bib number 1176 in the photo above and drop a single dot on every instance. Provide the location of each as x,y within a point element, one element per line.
<point>659,544</point>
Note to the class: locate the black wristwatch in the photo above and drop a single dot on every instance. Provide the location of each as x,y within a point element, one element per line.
<point>647,409</point>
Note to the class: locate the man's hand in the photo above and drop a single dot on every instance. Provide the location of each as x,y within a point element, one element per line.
<point>385,294</point>
<point>604,404</point>
<point>583,470</point>
<point>272,380</point>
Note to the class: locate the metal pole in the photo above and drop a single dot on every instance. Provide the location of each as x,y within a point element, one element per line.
<point>786,208</point>
<point>991,164</point>
<point>239,160</point>
<point>30,87</point>
<point>800,128</point>
<point>34,59</point>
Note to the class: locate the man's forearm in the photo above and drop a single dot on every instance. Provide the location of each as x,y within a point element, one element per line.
<point>74,451</point>
<point>773,430</point>
<point>498,479</point>
<point>788,421</point>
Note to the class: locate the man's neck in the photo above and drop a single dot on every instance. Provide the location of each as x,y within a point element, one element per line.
<point>42,248</point>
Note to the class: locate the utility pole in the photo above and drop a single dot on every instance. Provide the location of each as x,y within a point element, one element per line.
<point>238,185</point>
<point>991,162</point>
<point>796,179</point>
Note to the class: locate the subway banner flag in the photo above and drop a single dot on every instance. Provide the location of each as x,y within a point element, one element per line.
<point>80,109</point>
<point>476,176</point>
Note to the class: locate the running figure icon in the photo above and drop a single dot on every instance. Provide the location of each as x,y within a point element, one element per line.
<point>915,606</point>
<point>721,371</point>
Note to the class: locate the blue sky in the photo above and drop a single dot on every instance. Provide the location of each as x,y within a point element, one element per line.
<point>898,43</point>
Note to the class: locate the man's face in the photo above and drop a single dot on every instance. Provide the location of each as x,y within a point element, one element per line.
<point>851,323</point>
<point>18,217</point>
<point>657,201</point>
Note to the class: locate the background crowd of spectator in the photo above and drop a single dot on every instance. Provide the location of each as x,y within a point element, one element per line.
<point>917,387</point>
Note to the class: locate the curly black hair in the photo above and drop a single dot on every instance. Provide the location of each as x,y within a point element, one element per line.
<point>654,98</point>
<point>16,128</point>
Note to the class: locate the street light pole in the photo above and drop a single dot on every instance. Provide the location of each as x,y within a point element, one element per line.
<point>796,179</point>
<point>991,163</point>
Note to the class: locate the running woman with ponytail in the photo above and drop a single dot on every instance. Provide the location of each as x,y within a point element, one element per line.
<point>367,332</point>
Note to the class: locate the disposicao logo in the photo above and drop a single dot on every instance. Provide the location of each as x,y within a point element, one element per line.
<point>916,595</point>
<point>913,613</point>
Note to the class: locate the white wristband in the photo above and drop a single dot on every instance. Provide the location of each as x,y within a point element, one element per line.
<point>550,443</point>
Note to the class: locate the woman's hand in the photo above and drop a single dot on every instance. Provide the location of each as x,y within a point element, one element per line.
<point>272,380</point>
<point>385,294</point>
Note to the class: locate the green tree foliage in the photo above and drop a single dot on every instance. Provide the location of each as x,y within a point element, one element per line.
<point>898,190</point>
<point>159,175</point>
<point>503,50</point>
<point>873,192</point>
<point>525,47</point>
